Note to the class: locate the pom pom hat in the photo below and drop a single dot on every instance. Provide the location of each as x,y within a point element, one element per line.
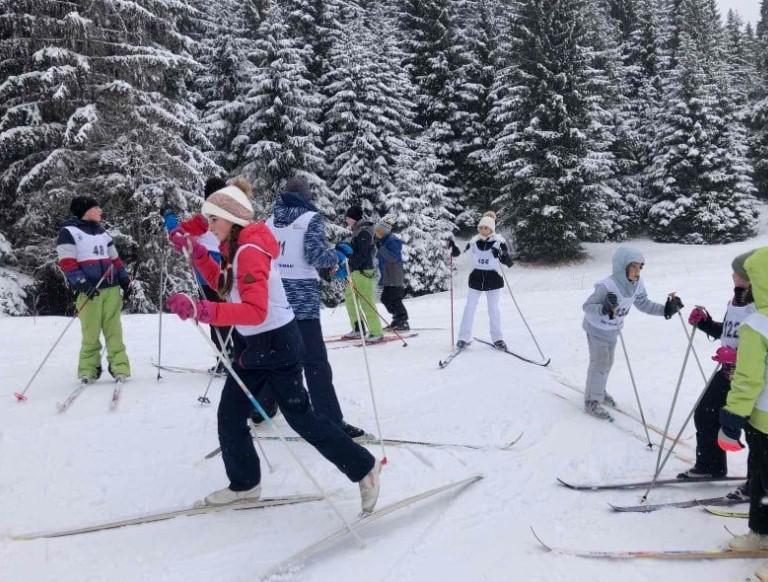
<point>231,204</point>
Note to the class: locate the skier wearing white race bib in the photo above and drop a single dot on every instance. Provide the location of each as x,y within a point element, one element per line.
<point>604,313</point>
<point>268,350</point>
<point>488,251</point>
<point>300,230</point>
<point>710,458</point>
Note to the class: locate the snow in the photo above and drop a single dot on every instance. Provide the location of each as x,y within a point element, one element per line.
<point>90,465</point>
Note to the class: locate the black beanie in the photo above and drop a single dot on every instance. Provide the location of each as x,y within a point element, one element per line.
<point>213,184</point>
<point>355,213</point>
<point>299,185</point>
<point>82,204</point>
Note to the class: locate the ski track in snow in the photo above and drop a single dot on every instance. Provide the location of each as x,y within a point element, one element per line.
<point>90,464</point>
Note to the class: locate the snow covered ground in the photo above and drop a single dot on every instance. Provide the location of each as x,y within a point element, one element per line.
<point>91,464</point>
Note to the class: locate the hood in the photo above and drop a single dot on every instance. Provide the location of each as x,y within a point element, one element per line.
<point>289,206</point>
<point>258,233</point>
<point>757,269</point>
<point>621,260</point>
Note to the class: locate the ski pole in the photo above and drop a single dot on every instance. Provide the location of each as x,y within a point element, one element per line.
<point>669,416</point>
<point>634,387</point>
<point>163,267</point>
<point>520,311</point>
<point>687,420</point>
<point>21,396</point>
<point>368,369</point>
<point>204,398</point>
<point>695,354</point>
<point>276,431</point>
<point>364,298</point>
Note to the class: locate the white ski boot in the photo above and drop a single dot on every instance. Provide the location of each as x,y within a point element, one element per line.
<point>369,489</point>
<point>749,542</point>
<point>228,497</point>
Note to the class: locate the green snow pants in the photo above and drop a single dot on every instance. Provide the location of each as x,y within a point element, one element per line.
<point>363,282</point>
<point>102,314</point>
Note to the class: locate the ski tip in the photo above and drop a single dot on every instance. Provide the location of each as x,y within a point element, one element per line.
<point>565,483</point>
<point>545,364</point>
<point>538,539</point>
<point>19,397</point>
<point>384,461</point>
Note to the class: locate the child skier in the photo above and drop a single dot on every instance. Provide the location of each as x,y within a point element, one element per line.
<point>267,351</point>
<point>93,269</point>
<point>604,313</point>
<point>746,407</point>
<point>489,251</point>
<point>392,276</point>
<point>710,458</point>
<point>197,226</point>
<point>361,274</point>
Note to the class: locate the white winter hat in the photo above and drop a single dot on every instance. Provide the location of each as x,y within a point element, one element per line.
<point>231,204</point>
<point>489,220</point>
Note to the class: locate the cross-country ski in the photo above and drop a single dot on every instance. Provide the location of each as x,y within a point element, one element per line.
<point>366,520</point>
<point>164,515</point>
<point>650,507</point>
<point>643,484</point>
<point>654,554</point>
<point>505,350</point>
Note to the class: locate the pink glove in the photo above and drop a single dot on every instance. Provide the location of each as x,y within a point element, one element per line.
<point>183,306</point>
<point>179,240</point>
<point>725,355</point>
<point>698,315</point>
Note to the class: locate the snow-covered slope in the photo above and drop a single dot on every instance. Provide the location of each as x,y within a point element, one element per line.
<point>90,464</point>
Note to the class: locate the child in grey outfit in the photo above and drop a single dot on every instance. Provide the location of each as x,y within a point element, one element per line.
<point>604,313</point>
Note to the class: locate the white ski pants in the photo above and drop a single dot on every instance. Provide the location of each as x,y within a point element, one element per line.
<point>494,314</point>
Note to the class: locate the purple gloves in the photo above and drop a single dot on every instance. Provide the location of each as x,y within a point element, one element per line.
<point>182,305</point>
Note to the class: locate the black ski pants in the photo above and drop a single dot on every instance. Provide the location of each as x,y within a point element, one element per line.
<point>274,358</point>
<point>317,370</point>
<point>758,479</point>
<point>392,298</point>
<point>710,458</point>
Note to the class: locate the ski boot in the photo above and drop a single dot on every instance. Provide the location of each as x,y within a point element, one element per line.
<point>594,408</point>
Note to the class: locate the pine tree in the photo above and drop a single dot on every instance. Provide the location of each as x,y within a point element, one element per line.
<point>281,134</point>
<point>422,220</point>
<point>700,180</point>
<point>95,101</point>
<point>12,283</point>
<point>434,51</point>
<point>369,110</point>
<point>543,151</point>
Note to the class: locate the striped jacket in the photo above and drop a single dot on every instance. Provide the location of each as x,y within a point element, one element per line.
<point>304,294</point>
<point>86,252</point>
